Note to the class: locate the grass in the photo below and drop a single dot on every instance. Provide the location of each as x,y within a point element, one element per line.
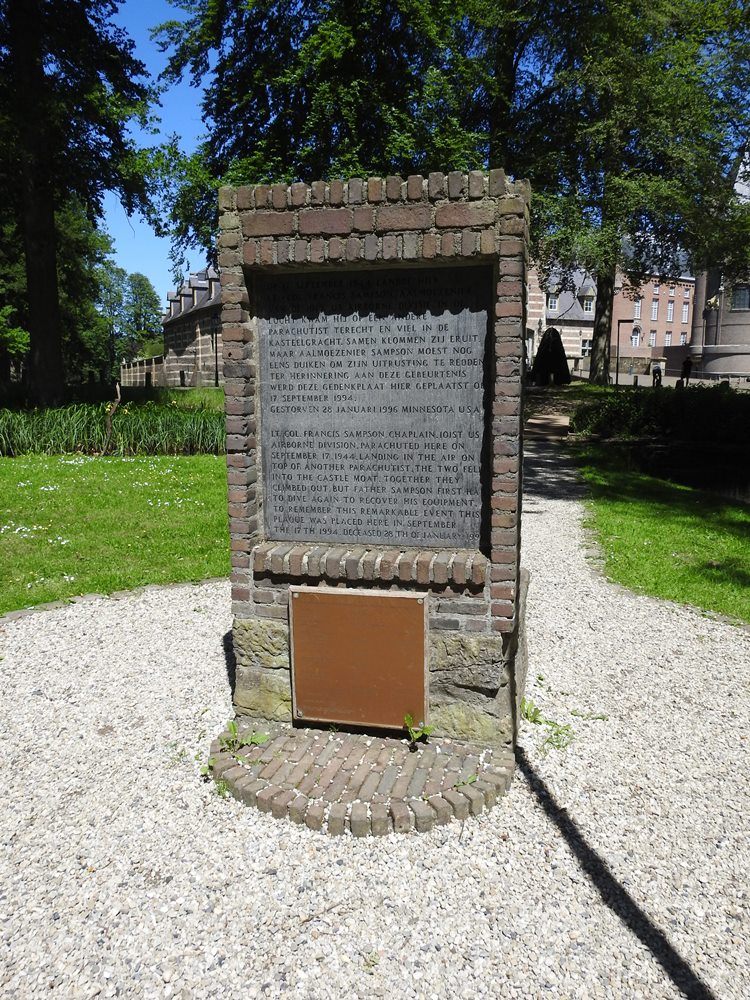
<point>667,540</point>
<point>150,428</point>
<point>203,398</point>
<point>74,524</point>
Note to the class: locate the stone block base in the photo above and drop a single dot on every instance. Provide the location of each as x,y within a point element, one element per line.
<point>476,681</point>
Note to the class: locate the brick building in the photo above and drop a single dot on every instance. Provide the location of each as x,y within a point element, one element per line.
<point>192,332</point>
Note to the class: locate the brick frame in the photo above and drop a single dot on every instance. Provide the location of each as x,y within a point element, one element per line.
<point>452,218</point>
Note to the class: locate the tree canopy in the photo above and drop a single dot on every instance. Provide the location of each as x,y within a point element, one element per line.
<point>69,85</point>
<point>627,116</point>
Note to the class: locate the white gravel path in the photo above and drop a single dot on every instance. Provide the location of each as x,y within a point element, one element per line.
<point>122,874</point>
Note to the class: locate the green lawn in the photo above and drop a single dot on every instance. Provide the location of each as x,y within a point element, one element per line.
<point>669,541</point>
<point>74,524</point>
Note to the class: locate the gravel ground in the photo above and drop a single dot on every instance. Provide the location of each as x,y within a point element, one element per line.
<point>616,867</point>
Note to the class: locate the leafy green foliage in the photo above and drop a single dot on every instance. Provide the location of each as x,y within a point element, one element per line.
<point>75,525</point>
<point>233,740</point>
<point>418,733</point>
<point>147,429</point>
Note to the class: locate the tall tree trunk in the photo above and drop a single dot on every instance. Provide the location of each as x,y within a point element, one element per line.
<point>503,54</point>
<point>36,216</point>
<point>600,348</point>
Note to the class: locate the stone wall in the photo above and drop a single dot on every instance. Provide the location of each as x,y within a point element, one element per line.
<point>473,594</point>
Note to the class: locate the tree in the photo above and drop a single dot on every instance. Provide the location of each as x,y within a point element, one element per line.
<point>142,312</point>
<point>69,84</point>
<point>645,121</point>
<point>301,89</point>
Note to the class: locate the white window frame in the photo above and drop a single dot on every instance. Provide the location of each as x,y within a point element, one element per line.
<point>670,312</point>
<point>654,308</point>
<point>635,338</point>
<point>588,304</point>
<point>652,338</point>
<point>637,308</point>
<point>685,310</point>
<point>551,302</point>
<point>683,339</point>
<point>668,338</point>
<point>656,287</point>
<point>687,293</point>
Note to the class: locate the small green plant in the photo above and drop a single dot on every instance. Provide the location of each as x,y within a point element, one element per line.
<point>589,716</point>
<point>467,781</point>
<point>417,733</point>
<point>206,768</point>
<point>233,740</point>
<point>559,736</point>
<point>371,961</point>
<point>222,788</point>
<point>531,712</point>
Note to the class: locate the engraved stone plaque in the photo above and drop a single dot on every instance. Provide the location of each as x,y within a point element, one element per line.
<point>372,401</point>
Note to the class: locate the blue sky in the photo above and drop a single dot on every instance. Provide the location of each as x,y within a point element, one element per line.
<point>136,246</point>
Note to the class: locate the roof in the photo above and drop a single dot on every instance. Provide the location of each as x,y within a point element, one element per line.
<point>198,287</point>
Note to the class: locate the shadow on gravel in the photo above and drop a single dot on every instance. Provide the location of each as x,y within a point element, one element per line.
<point>549,474</point>
<point>613,894</point>
<point>230,660</point>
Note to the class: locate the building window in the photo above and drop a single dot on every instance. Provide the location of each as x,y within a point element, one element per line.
<point>668,338</point>
<point>635,338</point>
<point>552,303</point>
<point>671,291</point>
<point>683,339</point>
<point>652,338</point>
<point>637,309</point>
<point>588,304</point>
<point>741,297</point>
<point>654,309</point>
<point>687,293</point>
<point>656,288</point>
<point>586,347</point>
<point>685,308</point>
<point>670,311</point>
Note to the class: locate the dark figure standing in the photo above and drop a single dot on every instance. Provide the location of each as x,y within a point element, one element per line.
<point>687,367</point>
<point>656,376</point>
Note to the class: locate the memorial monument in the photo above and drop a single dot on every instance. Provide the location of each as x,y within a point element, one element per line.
<point>373,353</point>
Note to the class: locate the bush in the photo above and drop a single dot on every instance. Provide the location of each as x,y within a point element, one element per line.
<point>715,415</point>
<point>148,429</point>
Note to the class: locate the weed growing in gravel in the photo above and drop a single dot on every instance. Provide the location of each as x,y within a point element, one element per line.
<point>589,716</point>
<point>371,961</point>
<point>467,781</point>
<point>531,712</point>
<point>222,788</point>
<point>559,736</point>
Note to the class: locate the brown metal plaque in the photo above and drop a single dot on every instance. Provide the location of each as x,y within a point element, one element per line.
<point>358,657</point>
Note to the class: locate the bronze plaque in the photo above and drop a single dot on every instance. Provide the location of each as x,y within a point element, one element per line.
<point>358,657</point>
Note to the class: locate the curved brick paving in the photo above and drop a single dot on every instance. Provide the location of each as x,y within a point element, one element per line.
<point>369,785</point>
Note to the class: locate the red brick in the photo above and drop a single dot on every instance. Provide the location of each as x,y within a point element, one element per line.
<point>448,245</point>
<point>458,569</point>
<point>364,219</point>
<point>299,194</point>
<point>390,247</point>
<point>436,185</point>
<point>502,609</point>
<point>459,216</point>
<point>388,564</point>
<point>278,195</point>
<point>300,251</point>
<point>512,268</point>
<point>468,242</point>
<point>429,245</point>
<point>261,195</point>
<point>295,560</point>
<point>414,187</point>
<point>317,251</point>
<point>327,221</point>
<point>506,369</point>
<point>375,191</point>
<point>502,573</point>
<point>504,503</point>
<point>336,192</point>
<point>509,286</point>
<point>502,591</point>
<point>504,465</point>
<point>476,184</point>
<point>502,624</point>
<point>498,183</point>
<point>353,248</point>
<point>355,190</point>
<point>508,349</point>
<point>393,188</point>
<point>335,249</point>
<point>511,247</point>
<point>504,556</point>
<point>244,198</point>
<point>423,567</point>
<point>282,251</point>
<point>317,192</point>
<point>513,226</point>
<point>268,224</point>
<point>487,241</point>
<point>506,407</point>
<point>508,308</point>
<point>248,252</point>
<point>403,217</point>
<point>456,184</point>
<point>266,251</point>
